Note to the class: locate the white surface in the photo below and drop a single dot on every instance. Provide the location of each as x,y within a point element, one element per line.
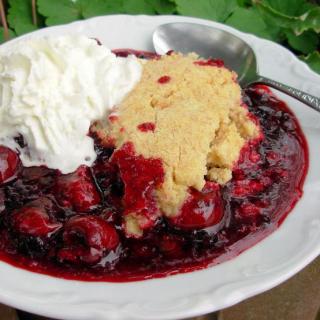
<point>275,259</point>
<point>52,89</point>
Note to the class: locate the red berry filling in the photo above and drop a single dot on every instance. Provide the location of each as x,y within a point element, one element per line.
<point>86,238</point>
<point>71,225</point>
<point>9,163</point>
<point>210,63</point>
<point>77,190</point>
<point>113,118</point>
<point>202,209</point>
<point>138,53</point>
<point>164,79</point>
<point>34,220</point>
<point>140,177</point>
<point>147,126</point>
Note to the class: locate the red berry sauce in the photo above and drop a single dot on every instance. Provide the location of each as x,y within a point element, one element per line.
<point>210,63</point>
<point>140,177</point>
<point>71,226</point>
<point>138,53</point>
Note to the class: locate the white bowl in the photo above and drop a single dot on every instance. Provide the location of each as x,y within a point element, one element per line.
<point>273,260</point>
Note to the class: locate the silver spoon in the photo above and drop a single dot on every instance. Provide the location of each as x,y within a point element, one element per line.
<point>212,42</point>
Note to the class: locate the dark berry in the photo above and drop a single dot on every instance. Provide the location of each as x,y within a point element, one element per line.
<point>171,246</point>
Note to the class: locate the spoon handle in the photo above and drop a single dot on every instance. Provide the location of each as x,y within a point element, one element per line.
<point>304,97</point>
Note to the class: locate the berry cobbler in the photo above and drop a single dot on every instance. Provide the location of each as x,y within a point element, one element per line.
<point>173,167</point>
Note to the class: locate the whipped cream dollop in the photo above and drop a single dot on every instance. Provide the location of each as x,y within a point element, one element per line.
<point>52,89</point>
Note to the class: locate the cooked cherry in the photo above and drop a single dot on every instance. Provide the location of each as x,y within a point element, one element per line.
<point>33,220</point>
<point>86,240</point>
<point>77,190</point>
<point>9,163</point>
<point>37,233</point>
<point>95,232</point>
<point>79,254</point>
<point>202,209</point>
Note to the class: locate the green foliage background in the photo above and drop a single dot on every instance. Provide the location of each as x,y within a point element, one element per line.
<point>293,23</point>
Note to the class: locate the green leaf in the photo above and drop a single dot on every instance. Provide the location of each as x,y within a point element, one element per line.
<point>218,10</point>
<point>11,34</point>
<point>248,20</point>
<point>306,43</point>
<point>60,11</point>
<point>20,16</point>
<point>244,3</point>
<point>164,6</point>
<point>313,60</point>
<point>290,8</point>
<point>101,7</point>
<point>310,20</point>
<point>138,7</point>
<point>306,6</point>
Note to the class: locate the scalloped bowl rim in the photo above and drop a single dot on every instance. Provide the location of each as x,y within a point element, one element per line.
<point>203,291</point>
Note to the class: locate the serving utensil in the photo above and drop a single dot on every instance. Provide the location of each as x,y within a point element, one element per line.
<point>216,43</point>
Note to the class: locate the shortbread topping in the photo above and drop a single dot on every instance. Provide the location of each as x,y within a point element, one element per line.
<point>192,119</point>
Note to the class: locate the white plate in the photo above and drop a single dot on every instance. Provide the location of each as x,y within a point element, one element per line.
<point>275,259</point>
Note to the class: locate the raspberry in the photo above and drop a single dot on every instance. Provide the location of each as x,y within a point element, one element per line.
<point>238,174</point>
<point>248,187</point>
<point>254,156</point>
<point>272,157</point>
<point>247,210</point>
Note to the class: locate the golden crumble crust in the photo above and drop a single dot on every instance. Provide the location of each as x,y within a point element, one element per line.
<point>200,124</point>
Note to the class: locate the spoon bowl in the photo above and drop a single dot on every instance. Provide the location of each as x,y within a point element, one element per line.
<point>206,42</point>
<point>210,42</point>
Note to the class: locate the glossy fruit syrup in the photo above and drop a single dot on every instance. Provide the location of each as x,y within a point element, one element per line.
<point>71,226</point>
